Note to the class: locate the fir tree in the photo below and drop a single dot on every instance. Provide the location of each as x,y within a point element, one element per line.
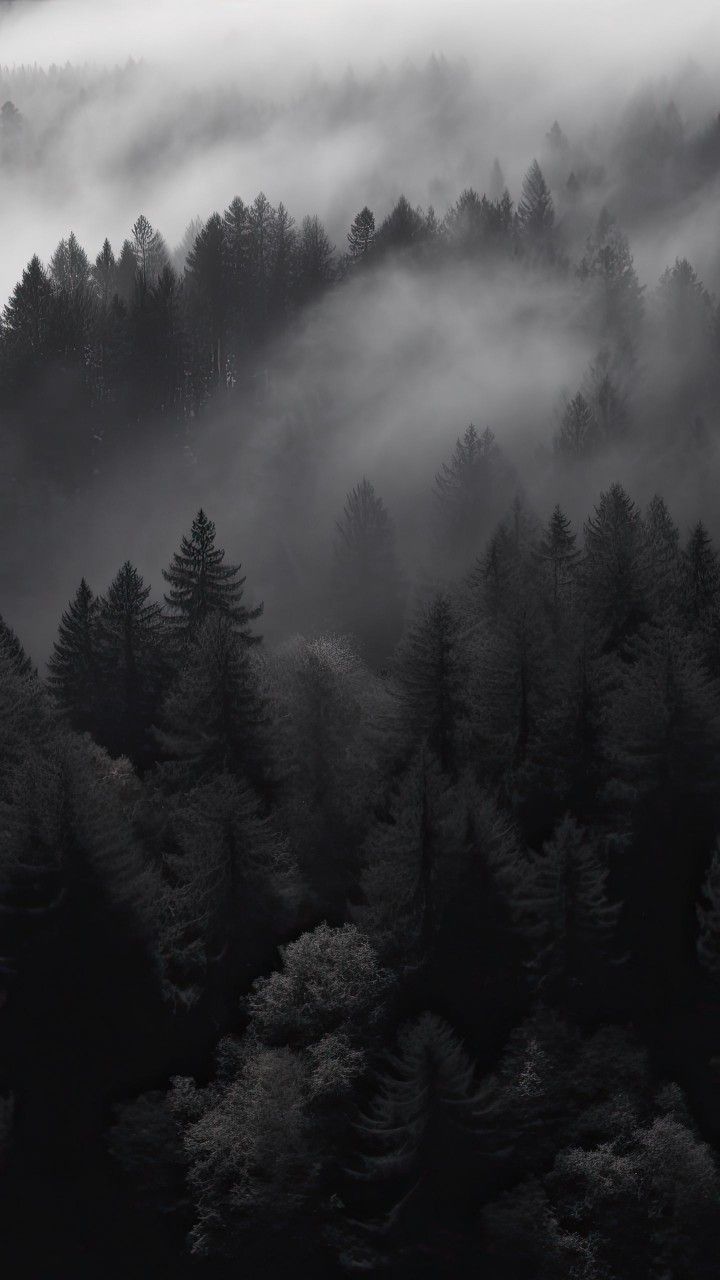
<point>361,235</point>
<point>608,265</point>
<point>559,555</point>
<point>560,905</point>
<point>367,579</point>
<point>415,1140</point>
<point>614,567</point>
<point>430,681</point>
<point>74,665</point>
<point>413,860</point>
<point>200,585</point>
<point>13,652</point>
<point>535,211</point>
<point>104,274</point>
<point>577,436</point>
<point>228,883</point>
<point>206,275</point>
<point>151,254</point>
<point>468,490</point>
<point>700,576</point>
<point>662,540</point>
<point>213,720</point>
<point>129,627</point>
<point>28,316</point>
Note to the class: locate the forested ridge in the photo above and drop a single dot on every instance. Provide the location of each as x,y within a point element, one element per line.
<point>392,945</point>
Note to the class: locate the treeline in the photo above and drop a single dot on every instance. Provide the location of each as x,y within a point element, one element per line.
<point>98,359</point>
<point>485,851</point>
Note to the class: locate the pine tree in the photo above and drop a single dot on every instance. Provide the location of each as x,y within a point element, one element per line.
<point>126,278</point>
<point>361,235</point>
<point>700,576</point>
<point>151,254</point>
<point>604,388</point>
<point>413,858</point>
<point>535,211</point>
<point>578,434</point>
<point>229,882</point>
<point>69,267</point>
<point>614,569</point>
<point>28,318</point>
<point>283,262</point>
<point>326,708</point>
<point>415,1148</point>
<point>430,683</point>
<point>104,274</point>
<point>663,721</point>
<point>468,492</point>
<point>404,228</point>
<point>662,540</point>
<point>608,265</point>
<point>559,555</point>
<point>214,719</point>
<point>206,275</point>
<point>315,265</point>
<point>201,585</point>
<point>561,908</point>
<point>367,582</point>
<point>13,652</point>
<point>129,630</point>
<point>75,664</point>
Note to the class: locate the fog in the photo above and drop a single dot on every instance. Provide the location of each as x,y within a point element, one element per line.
<point>316,104</point>
<point>174,109</point>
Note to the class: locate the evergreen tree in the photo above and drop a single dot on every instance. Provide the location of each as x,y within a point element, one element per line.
<point>663,557</point>
<point>206,275</point>
<point>367,582</point>
<point>326,709</point>
<point>559,556</point>
<point>404,228</point>
<point>468,492</point>
<point>314,262</point>
<point>614,567</point>
<point>700,576</point>
<point>28,318</point>
<point>201,585</point>
<point>415,1145</point>
<point>577,436</point>
<point>361,235</point>
<point>608,265</point>
<point>604,388</point>
<point>560,904</point>
<point>75,663</point>
<point>536,212</point>
<point>104,274</point>
<point>151,254</point>
<point>214,719</point>
<point>229,884</point>
<point>430,683</point>
<point>129,629</point>
<point>413,860</point>
<point>13,652</point>
<point>127,273</point>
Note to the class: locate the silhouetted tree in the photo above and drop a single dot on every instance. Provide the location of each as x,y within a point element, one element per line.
<point>367,582</point>
<point>200,585</point>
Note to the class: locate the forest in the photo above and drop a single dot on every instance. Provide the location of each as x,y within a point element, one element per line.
<point>360,854</point>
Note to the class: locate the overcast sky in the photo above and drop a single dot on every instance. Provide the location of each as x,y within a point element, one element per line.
<point>531,61</point>
<point>596,34</point>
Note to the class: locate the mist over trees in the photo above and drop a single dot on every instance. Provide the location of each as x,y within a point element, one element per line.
<point>359,861</point>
